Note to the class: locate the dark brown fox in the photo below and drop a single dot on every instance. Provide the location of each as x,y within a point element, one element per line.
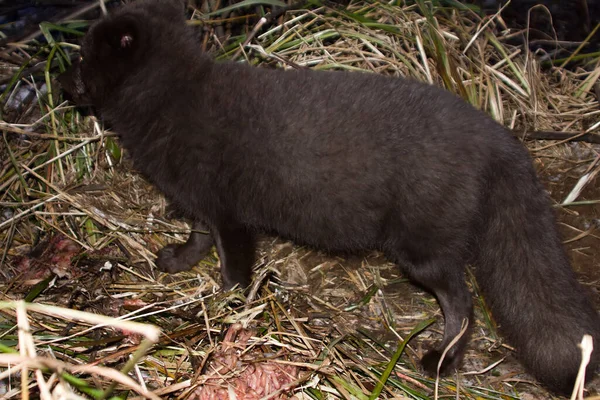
<point>344,162</point>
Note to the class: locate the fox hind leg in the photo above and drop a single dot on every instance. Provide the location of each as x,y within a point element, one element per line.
<point>443,276</point>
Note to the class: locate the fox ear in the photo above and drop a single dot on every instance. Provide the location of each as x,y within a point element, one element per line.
<point>121,36</point>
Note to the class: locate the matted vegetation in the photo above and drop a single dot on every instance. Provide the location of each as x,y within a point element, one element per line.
<point>79,227</point>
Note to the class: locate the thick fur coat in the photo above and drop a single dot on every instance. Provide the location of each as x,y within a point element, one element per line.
<point>343,162</point>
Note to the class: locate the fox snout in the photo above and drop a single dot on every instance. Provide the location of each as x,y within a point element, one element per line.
<point>73,85</point>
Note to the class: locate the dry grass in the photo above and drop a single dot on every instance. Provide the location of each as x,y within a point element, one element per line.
<point>79,230</point>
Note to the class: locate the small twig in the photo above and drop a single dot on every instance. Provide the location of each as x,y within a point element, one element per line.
<point>277,57</point>
<point>37,135</point>
<point>563,136</point>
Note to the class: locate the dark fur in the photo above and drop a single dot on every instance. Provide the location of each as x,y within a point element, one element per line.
<point>343,162</point>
